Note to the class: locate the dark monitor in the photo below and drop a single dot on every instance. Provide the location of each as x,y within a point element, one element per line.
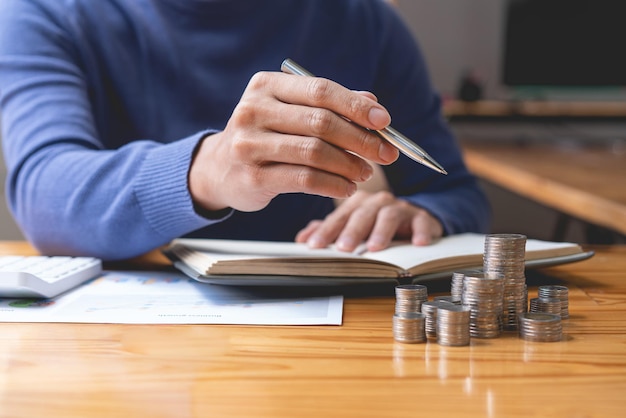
<point>556,43</point>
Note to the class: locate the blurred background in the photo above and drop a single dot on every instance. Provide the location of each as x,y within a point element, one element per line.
<point>478,51</point>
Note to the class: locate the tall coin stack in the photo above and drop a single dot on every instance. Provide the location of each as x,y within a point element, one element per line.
<point>504,256</point>
<point>559,292</point>
<point>409,297</point>
<point>484,295</point>
<point>453,325</point>
<point>540,327</point>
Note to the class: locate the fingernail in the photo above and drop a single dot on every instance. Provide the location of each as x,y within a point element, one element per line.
<point>345,244</point>
<point>351,189</point>
<point>315,242</point>
<point>421,239</point>
<point>379,118</point>
<point>367,172</point>
<point>387,152</point>
<point>375,243</point>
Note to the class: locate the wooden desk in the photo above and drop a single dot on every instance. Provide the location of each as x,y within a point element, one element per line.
<point>354,370</point>
<point>587,183</point>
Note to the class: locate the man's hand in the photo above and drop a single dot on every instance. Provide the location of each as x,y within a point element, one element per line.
<point>376,218</point>
<point>289,134</point>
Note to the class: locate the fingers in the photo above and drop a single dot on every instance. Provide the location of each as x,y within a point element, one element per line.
<point>302,152</point>
<point>319,107</point>
<point>290,134</point>
<point>377,219</point>
<point>278,178</point>
<point>425,228</point>
<point>307,231</point>
<point>323,93</point>
<point>357,218</point>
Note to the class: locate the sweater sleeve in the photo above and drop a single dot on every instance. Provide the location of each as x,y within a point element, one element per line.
<point>69,192</point>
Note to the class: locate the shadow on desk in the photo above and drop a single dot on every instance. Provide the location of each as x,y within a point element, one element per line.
<point>378,289</point>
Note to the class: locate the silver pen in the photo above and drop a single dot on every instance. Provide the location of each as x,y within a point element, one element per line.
<point>404,144</point>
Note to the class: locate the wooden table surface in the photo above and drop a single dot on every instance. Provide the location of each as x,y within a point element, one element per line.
<point>353,370</point>
<point>587,182</point>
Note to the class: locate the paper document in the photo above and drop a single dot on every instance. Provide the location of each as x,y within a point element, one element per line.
<point>172,298</point>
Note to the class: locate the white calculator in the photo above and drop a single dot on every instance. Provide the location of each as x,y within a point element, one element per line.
<point>44,277</point>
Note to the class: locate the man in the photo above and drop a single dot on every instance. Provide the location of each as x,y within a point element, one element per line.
<point>129,123</point>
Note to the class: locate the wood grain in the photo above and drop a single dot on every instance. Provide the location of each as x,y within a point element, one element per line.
<point>587,183</point>
<point>353,370</point>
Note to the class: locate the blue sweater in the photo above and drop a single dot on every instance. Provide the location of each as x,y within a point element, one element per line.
<point>104,102</point>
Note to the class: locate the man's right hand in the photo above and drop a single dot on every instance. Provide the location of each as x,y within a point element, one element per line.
<point>289,134</point>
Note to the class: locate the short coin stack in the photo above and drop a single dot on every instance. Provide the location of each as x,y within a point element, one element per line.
<point>504,256</point>
<point>540,327</point>
<point>456,285</point>
<point>408,327</point>
<point>453,325</point>
<point>446,298</point>
<point>558,292</point>
<point>408,321</point>
<point>429,309</point>
<point>484,295</point>
<point>546,305</point>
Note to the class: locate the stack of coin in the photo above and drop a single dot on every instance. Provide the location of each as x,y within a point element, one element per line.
<point>453,325</point>
<point>484,294</point>
<point>429,309</point>
<point>456,285</point>
<point>559,292</point>
<point>540,327</point>
<point>446,298</point>
<point>504,256</point>
<point>409,297</point>
<point>409,327</point>
<point>546,305</point>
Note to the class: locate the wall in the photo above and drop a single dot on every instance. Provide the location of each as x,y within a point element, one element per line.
<point>456,35</point>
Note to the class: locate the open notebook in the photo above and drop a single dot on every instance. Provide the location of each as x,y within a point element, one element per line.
<point>285,263</point>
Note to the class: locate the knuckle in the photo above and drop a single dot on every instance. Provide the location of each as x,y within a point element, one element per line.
<point>337,218</point>
<point>241,148</point>
<point>384,198</point>
<point>259,80</point>
<point>361,214</point>
<point>311,150</point>
<point>305,180</point>
<point>356,106</point>
<point>254,178</point>
<point>390,212</point>
<point>366,140</point>
<point>245,113</point>
<point>320,121</point>
<point>318,90</point>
